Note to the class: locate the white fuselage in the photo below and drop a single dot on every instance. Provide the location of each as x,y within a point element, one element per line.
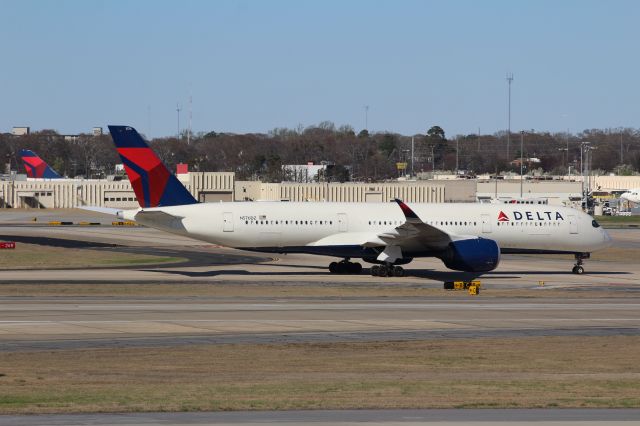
<point>289,226</point>
<point>632,195</point>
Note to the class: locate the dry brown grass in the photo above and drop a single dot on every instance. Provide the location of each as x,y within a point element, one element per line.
<point>522,372</point>
<point>288,290</point>
<point>610,254</point>
<point>34,256</point>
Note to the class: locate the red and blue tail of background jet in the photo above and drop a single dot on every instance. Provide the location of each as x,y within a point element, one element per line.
<point>153,183</point>
<point>36,166</point>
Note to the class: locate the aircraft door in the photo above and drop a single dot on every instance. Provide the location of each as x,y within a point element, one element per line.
<point>573,224</point>
<point>486,223</point>
<point>227,222</point>
<point>343,223</point>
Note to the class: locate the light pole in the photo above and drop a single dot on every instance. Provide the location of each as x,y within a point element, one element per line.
<point>509,80</point>
<point>406,160</point>
<point>565,162</point>
<point>366,117</point>
<point>521,160</point>
<point>569,169</point>
<point>585,148</point>
<point>412,151</point>
<point>582,145</point>
<point>178,109</point>
<point>457,142</point>
<point>433,161</point>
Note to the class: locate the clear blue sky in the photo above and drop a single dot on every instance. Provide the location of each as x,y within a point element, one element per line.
<point>252,66</point>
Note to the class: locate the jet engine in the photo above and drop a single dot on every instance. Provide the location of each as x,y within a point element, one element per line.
<point>472,255</point>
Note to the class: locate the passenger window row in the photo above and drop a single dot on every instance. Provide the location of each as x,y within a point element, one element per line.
<point>526,223</point>
<point>288,222</point>
<point>433,222</point>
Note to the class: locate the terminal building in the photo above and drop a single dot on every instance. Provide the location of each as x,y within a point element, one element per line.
<point>18,192</point>
<point>222,187</point>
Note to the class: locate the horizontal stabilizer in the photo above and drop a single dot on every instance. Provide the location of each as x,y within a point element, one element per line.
<point>105,210</point>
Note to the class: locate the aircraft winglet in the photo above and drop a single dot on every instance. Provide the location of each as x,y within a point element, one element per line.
<point>408,213</point>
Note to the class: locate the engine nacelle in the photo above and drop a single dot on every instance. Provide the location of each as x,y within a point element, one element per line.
<point>472,255</point>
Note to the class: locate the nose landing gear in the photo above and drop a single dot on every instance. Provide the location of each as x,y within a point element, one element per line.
<point>578,269</point>
<point>345,267</point>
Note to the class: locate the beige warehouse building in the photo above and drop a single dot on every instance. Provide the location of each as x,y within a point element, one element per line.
<point>214,187</point>
<point>222,186</point>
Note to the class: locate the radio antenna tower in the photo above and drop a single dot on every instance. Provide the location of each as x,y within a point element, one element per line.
<point>509,80</point>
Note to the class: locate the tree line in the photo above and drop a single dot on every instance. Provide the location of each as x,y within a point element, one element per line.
<point>361,156</point>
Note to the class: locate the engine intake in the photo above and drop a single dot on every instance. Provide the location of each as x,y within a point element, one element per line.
<point>472,255</point>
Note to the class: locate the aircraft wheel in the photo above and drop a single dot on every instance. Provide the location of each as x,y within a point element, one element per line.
<point>398,271</point>
<point>578,270</point>
<point>355,268</point>
<point>375,270</point>
<point>334,267</point>
<point>383,271</point>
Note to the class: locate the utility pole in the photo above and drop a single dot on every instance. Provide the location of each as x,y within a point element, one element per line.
<point>190,117</point>
<point>563,150</point>
<point>509,80</point>
<point>433,161</point>
<point>621,152</point>
<point>585,148</point>
<point>521,160</point>
<point>457,146</point>
<point>582,169</point>
<point>569,169</point>
<point>178,109</point>
<point>366,117</point>
<point>412,151</point>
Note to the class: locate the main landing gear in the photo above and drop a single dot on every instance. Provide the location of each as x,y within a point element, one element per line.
<point>345,267</point>
<point>577,268</point>
<point>387,270</point>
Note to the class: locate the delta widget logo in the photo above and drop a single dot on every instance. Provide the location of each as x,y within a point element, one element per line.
<point>502,217</point>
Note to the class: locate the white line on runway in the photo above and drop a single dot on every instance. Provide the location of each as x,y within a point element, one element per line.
<point>313,306</point>
<point>372,320</point>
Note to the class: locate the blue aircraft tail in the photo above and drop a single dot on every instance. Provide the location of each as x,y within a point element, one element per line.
<point>36,167</point>
<point>153,183</point>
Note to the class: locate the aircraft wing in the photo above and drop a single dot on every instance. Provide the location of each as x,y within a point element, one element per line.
<point>413,235</point>
<point>417,233</point>
<point>145,217</point>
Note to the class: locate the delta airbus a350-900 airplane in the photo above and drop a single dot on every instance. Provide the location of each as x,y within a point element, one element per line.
<point>466,237</point>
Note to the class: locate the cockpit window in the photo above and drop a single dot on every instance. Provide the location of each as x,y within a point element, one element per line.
<point>595,224</point>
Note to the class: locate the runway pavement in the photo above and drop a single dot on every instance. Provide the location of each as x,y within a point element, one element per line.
<point>72,323</point>
<point>67,322</point>
<point>519,417</point>
<point>41,322</point>
<point>209,263</point>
